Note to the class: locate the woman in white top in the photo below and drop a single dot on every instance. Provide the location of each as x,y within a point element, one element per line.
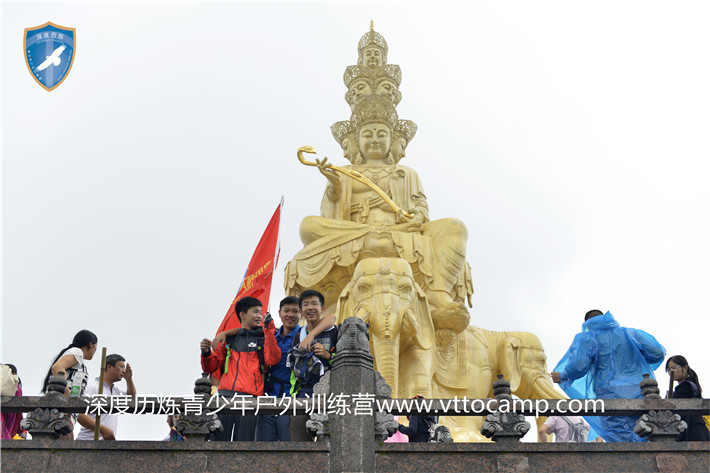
<point>70,361</point>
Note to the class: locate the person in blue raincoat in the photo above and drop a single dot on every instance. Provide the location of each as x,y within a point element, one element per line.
<point>606,361</point>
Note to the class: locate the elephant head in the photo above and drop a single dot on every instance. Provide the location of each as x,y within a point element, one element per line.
<point>522,360</point>
<point>384,295</point>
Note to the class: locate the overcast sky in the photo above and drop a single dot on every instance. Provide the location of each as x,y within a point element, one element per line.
<point>571,138</point>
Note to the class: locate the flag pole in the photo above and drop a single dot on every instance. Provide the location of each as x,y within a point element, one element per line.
<point>97,423</point>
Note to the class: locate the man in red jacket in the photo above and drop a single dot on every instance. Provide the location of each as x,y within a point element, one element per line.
<point>243,359</point>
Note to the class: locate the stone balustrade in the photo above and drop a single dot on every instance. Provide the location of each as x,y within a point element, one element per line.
<point>352,440</point>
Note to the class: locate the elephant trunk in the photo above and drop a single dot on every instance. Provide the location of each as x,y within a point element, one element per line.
<point>542,388</point>
<point>387,356</point>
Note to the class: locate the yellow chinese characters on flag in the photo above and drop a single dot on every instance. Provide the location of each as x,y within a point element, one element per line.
<point>257,279</point>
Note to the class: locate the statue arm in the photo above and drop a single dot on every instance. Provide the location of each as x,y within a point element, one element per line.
<point>334,187</point>
<point>332,191</point>
<point>418,196</point>
<point>421,207</point>
<point>407,190</point>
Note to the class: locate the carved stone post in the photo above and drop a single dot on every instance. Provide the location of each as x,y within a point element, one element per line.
<point>199,426</point>
<point>385,425</point>
<point>504,426</point>
<point>657,426</point>
<point>352,437</point>
<point>49,423</point>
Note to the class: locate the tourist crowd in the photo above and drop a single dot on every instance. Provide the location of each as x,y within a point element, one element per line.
<point>253,358</point>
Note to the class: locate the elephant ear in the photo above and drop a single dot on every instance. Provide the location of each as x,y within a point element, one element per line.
<point>345,308</point>
<point>509,361</point>
<point>424,336</point>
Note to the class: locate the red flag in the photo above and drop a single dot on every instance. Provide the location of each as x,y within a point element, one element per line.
<point>257,279</point>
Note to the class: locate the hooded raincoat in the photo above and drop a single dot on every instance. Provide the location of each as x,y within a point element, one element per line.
<point>607,361</point>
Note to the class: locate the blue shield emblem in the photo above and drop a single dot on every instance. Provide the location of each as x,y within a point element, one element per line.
<point>49,53</point>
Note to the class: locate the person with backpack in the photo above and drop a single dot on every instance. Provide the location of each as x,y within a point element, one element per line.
<point>70,361</point>
<point>270,428</point>
<point>310,356</point>
<point>688,387</point>
<point>244,359</point>
<point>418,429</point>
<point>425,428</point>
<point>566,429</point>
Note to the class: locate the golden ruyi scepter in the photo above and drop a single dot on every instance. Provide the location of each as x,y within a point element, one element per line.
<point>354,175</point>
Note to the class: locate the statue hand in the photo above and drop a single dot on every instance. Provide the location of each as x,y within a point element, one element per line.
<point>418,216</point>
<point>333,189</point>
<point>324,168</point>
<point>413,225</point>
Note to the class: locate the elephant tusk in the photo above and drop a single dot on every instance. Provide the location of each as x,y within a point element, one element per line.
<point>411,318</point>
<point>363,314</point>
<point>411,327</point>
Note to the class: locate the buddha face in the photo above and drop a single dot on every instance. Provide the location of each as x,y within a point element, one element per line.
<point>359,89</point>
<point>350,147</point>
<point>374,141</point>
<point>387,89</point>
<point>399,144</point>
<point>372,57</point>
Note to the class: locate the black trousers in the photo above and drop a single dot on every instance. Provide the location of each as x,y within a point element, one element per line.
<point>238,428</point>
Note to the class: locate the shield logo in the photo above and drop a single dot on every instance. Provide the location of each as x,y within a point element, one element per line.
<point>49,53</point>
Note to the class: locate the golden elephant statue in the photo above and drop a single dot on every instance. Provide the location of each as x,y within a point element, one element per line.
<point>468,363</point>
<point>384,294</point>
<point>415,359</point>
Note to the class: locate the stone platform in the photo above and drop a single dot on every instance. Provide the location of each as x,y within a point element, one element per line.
<point>20,456</point>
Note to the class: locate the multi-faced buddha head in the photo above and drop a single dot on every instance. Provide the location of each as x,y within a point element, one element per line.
<point>401,136</point>
<point>374,141</point>
<point>344,134</point>
<point>372,57</point>
<point>359,88</point>
<point>362,81</point>
<point>388,89</point>
<point>374,119</point>
<point>372,49</point>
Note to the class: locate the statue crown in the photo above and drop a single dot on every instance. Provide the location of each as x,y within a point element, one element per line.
<point>406,129</point>
<point>389,71</point>
<point>372,38</point>
<point>341,130</point>
<point>374,108</point>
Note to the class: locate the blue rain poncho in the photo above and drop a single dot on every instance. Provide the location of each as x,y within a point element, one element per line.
<point>606,361</point>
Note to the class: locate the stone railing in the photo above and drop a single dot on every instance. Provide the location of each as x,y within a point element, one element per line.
<point>352,440</point>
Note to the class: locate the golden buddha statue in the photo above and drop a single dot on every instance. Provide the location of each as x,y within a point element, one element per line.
<point>357,223</point>
<point>375,253</point>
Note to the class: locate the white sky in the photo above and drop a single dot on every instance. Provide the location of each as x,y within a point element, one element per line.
<point>570,137</point>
